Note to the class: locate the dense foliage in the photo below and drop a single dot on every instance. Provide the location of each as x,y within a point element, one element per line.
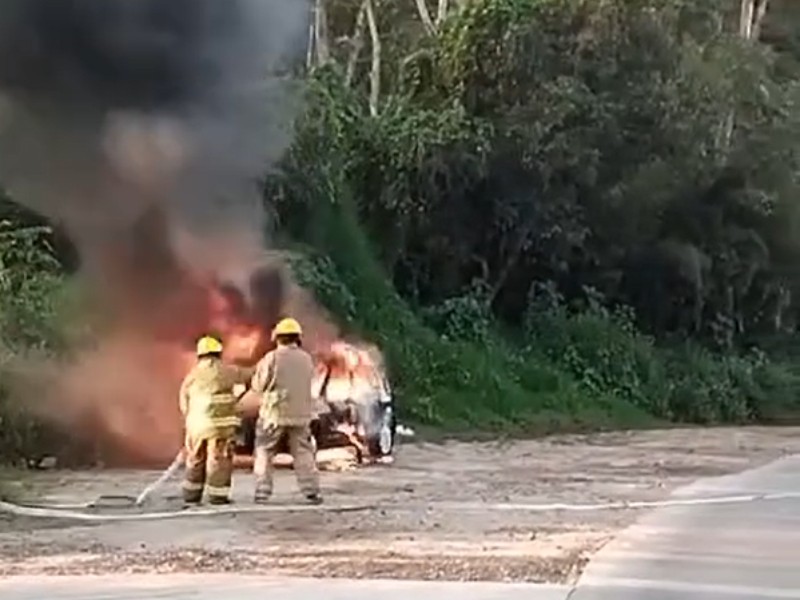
<point>549,213</point>
<point>630,164</point>
<point>33,296</point>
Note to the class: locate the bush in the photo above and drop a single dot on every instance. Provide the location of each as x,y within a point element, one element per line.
<point>36,310</point>
<point>467,317</point>
<point>708,389</point>
<point>318,273</point>
<point>607,355</point>
<point>31,325</point>
<point>604,353</point>
<point>774,395</point>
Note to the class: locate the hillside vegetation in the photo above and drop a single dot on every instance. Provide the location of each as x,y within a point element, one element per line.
<point>550,214</point>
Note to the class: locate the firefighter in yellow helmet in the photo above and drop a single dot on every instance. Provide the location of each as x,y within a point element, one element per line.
<point>283,379</point>
<point>210,410</point>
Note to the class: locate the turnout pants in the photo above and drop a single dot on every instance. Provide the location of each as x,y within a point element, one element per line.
<point>268,440</point>
<point>209,466</point>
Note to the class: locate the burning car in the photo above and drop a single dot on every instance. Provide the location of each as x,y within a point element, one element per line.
<point>355,405</point>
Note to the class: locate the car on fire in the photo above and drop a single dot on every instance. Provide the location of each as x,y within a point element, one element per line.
<point>355,406</point>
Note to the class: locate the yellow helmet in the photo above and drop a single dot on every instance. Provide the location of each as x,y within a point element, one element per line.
<point>287,327</point>
<point>208,345</point>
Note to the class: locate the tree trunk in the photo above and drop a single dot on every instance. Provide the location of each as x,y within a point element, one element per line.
<point>746,12</point>
<point>442,9</point>
<point>310,49</point>
<point>425,16</point>
<point>512,259</point>
<point>441,14</point>
<point>758,19</point>
<point>357,42</point>
<point>751,19</point>
<point>375,72</point>
<point>321,33</point>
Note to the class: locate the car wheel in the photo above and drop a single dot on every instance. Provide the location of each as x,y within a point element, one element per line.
<point>316,432</point>
<point>246,436</point>
<point>314,445</point>
<point>381,443</point>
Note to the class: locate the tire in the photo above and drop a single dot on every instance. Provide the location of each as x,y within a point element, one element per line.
<point>381,443</point>
<point>246,436</point>
<point>314,445</point>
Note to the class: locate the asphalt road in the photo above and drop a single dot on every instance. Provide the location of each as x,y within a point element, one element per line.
<point>724,551</point>
<point>735,551</point>
<point>258,588</point>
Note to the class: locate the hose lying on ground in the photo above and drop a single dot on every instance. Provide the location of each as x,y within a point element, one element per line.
<point>739,499</point>
<point>61,513</point>
<point>73,515</point>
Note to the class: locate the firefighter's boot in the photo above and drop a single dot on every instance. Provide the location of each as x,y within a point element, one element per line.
<point>262,495</point>
<point>315,499</point>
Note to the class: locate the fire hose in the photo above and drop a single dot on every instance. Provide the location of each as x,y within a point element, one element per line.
<point>35,511</point>
<point>119,501</point>
<point>49,512</point>
<point>177,463</point>
<point>72,512</point>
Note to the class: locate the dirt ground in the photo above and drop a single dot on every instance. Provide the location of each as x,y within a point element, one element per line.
<point>436,513</point>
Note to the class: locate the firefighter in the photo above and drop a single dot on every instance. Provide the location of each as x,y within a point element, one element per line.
<point>210,410</point>
<point>283,379</point>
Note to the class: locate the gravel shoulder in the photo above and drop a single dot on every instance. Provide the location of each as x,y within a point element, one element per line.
<point>413,528</point>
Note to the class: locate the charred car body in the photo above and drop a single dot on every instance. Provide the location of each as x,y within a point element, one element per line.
<point>355,405</point>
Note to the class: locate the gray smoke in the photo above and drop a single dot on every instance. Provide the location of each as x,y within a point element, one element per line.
<point>111,107</point>
<point>143,128</point>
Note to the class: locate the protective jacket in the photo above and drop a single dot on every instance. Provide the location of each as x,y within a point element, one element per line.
<point>283,379</point>
<point>207,401</point>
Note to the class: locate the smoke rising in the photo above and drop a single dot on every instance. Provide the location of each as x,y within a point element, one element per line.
<point>142,127</point>
<point>109,106</point>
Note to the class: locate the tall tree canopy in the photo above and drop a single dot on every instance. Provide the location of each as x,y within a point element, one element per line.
<point>644,150</point>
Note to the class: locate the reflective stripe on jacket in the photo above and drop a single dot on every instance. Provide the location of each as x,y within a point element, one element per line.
<point>211,415</point>
<point>207,400</point>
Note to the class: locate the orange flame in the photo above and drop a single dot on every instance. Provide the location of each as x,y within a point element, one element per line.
<point>122,396</point>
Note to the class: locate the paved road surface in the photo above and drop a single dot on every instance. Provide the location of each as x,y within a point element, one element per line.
<point>736,551</point>
<point>258,588</point>
<point>731,551</point>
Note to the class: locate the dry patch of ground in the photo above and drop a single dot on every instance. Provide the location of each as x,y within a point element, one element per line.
<point>431,513</point>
